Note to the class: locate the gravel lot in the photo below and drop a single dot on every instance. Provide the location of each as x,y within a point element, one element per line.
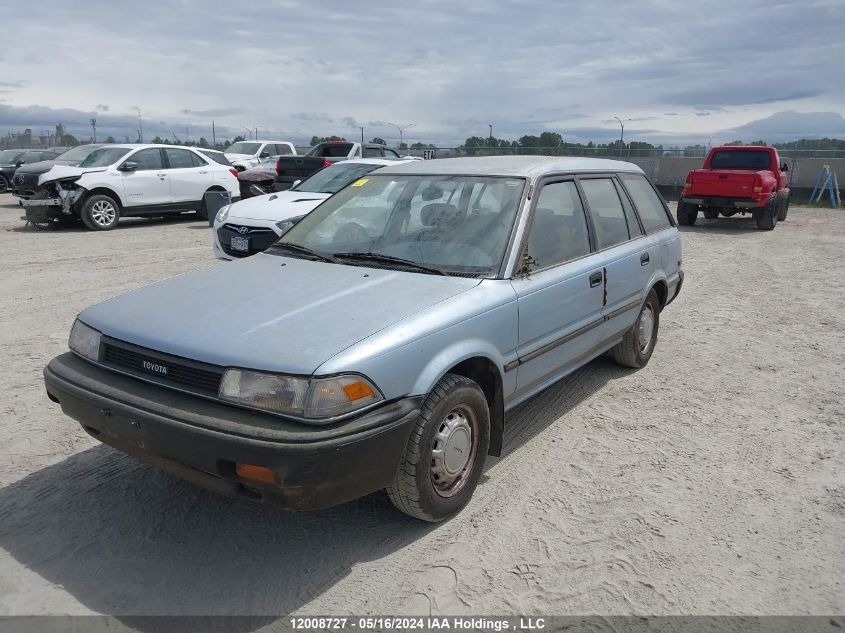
<point>709,482</point>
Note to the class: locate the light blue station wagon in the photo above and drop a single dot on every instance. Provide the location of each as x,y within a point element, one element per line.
<point>380,342</point>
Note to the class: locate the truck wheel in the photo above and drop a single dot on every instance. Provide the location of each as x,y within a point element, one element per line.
<point>445,454</point>
<point>4,184</point>
<point>687,213</point>
<point>767,216</point>
<point>100,213</point>
<point>784,209</point>
<point>638,343</point>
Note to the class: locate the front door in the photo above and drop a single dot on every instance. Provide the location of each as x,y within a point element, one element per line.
<point>561,291</point>
<point>147,188</point>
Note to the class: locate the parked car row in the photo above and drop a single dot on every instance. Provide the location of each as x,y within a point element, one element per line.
<point>12,159</point>
<point>380,339</point>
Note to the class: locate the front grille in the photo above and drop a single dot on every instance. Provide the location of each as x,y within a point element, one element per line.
<point>260,239</point>
<point>178,372</point>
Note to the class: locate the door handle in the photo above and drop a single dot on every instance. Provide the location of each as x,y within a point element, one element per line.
<point>203,171</point>
<point>644,259</point>
<point>596,279</point>
<point>161,174</point>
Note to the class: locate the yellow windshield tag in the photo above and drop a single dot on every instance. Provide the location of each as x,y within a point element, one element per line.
<point>360,182</point>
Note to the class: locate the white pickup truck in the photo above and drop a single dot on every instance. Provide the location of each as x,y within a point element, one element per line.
<point>246,154</point>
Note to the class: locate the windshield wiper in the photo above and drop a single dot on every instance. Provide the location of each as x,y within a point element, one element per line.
<point>304,250</point>
<point>389,259</point>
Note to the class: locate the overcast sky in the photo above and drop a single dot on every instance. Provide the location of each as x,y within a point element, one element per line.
<point>674,73</point>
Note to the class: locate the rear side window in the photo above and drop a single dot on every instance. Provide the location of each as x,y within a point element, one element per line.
<point>606,212</point>
<point>283,150</point>
<point>740,159</point>
<point>559,228</point>
<point>148,159</point>
<point>179,158</point>
<point>651,209</point>
<point>217,157</point>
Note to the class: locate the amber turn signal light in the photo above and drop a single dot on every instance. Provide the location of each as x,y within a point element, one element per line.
<point>256,473</point>
<point>357,390</point>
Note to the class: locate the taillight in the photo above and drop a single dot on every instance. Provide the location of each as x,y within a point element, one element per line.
<point>758,185</point>
<point>326,163</point>
<point>279,167</point>
<point>233,171</point>
<point>688,183</point>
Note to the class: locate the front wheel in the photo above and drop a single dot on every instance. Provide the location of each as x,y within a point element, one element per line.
<point>100,213</point>
<point>443,460</point>
<point>784,209</point>
<point>687,213</point>
<point>637,345</point>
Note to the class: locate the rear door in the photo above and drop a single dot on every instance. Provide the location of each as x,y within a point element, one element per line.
<point>561,291</point>
<point>147,188</point>
<point>190,178</point>
<point>626,257</point>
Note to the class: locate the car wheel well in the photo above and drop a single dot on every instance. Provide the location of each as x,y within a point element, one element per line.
<point>662,291</point>
<point>100,191</point>
<point>486,375</point>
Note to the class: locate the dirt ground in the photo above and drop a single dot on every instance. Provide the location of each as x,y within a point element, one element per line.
<point>710,482</point>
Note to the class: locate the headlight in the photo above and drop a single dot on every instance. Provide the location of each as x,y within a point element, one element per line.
<point>84,340</point>
<point>285,225</point>
<point>318,398</point>
<point>223,213</point>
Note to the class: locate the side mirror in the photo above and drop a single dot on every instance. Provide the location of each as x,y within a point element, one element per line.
<point>784,167</point>
<point>18,164</point>
<point>129,165</point>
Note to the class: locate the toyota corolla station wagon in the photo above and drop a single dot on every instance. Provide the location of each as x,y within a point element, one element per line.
<point>381,341</point>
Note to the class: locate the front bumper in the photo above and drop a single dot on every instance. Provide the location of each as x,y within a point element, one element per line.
<point>201,440</point>
<point>260,235</point>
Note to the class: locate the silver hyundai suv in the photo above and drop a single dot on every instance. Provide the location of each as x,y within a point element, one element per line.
<point>380,343</point>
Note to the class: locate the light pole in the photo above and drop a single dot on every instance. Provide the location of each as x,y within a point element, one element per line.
<point>490,125</point>
<point>401,129</point>
<point>248,131</point>
<point>362,134</point>
<point>621,134</point>
<point>94,127</point>
<point>140,126</point>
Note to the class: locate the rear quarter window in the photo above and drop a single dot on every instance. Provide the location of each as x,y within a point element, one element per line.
<point>652,212</point>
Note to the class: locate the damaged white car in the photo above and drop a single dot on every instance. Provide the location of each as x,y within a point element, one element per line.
<point>130,180</point>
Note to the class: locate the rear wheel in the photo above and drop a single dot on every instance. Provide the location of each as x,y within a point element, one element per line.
<point>767,217</point>
<point>687,213</point>
<point>4,184</point>
<point>100,213</point>
<point>638,343</point>
<point>445,454</point>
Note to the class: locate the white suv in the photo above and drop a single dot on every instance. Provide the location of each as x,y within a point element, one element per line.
<point>246,154</point>
<point>123,180</point>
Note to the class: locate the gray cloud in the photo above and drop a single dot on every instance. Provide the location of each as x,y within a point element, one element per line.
<point>788,125</point>
<point>298,69</point>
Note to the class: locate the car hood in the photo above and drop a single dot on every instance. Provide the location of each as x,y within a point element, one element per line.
<point>269,312</point>
<point>43,166</point>
<point>59,172</point>
<point>277,206</point>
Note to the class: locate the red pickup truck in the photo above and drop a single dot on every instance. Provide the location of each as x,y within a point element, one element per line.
<point>737,179</point>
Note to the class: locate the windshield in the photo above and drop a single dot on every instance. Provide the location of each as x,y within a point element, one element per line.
<point>105,156</point>
<point>242,147</point>
<point>78,153</point>
<point>740,159</point>
<point>335,177</point>
<point>7,156</point>
<point>458,224</point>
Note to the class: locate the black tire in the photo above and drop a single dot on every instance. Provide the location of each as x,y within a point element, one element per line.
<point>4,184</point>
<point>711,214</point>
<point>784,209</point>
<point>767,217</point>
<point>421,486</point>
<point>687,213</point>
<point>202,214</point>
<point>100,213</point>
<point>634,350</point>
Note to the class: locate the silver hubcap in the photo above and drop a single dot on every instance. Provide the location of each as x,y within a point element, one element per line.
<point>452,453</point>
<point>103,212</point>
<point>646,328</point>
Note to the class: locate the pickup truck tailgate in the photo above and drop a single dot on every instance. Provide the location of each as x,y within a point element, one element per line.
<point>293,168</point>
<point>724,184</point>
